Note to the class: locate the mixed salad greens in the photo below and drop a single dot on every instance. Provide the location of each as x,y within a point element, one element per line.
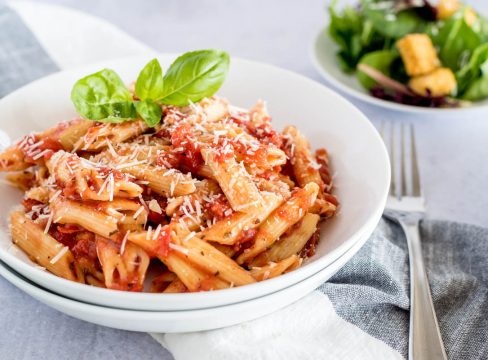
<point>414,52</point>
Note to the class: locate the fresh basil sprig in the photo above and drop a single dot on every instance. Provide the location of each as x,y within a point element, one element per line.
<point>102,96</point>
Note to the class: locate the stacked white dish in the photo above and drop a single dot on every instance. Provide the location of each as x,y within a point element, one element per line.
<point>362,177</point>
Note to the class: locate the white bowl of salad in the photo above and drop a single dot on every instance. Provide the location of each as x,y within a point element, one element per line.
<point>409,55</point>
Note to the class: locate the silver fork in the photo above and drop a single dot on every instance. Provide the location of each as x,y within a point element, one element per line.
<point>425,340</point>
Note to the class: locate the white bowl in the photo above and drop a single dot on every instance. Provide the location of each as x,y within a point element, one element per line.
<point>323,54</point>
<point>182,320</point>
<point>358,155</point>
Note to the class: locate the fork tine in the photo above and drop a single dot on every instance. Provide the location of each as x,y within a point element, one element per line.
<point>415,166</point>
<point>391,153</point>
<point>403,175</point>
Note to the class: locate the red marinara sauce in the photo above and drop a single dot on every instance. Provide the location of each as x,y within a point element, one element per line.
<point>163,240</point>
<point>188,149</point>
<point>245,239</point>
<point>218,207</point>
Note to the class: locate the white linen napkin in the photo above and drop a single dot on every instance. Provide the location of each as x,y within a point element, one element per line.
<point>307,329</point>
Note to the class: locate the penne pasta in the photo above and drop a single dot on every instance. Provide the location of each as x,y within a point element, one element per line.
<point>228,230</point>
<point>280,220</point>
<point>176,286</point>
<point>305,168</point>
<point>208,258</point>
<point>41,247</point>
<point>98,137</point>
<point>13,159</point>
<point>274,269</point>
<point>191,276</point>
<point>122,270</point>
<point>234,181</point>
<point>72,134</point>
<point>291,243</point>
<point>23,180</point>
<point>72,212</point>
<point>162,181</point>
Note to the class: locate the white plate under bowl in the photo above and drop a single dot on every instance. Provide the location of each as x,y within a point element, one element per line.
<point>182,320</point>
<point>358,158</point>
<point>323,54</point>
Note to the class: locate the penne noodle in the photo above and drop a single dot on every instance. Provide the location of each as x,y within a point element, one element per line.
<point>98,137</point>
<point>305,167</point>
<point>228,250</point>
<point>162,181</point>
<point>72,212</point>
<point>280,220</point>
<point>122,271</point>
<point>214,109</point>
<point>72,134</point>
<point>176,286</point>
<point>274,269</point>
<point>90,182</point>
<point>191,276</point>
<point>208,258</point>
<point>23,180</point>
<point>38,193</point>
<point>276,186</point>
<point>306,170</point>
<point>41,247</point>
<point>13,159</point>
<point>228,230</point>
<point>289,244</point>
<point>234,181</point>
<point>259,115</point>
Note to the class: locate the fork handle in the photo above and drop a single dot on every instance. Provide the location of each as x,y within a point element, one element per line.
<point>425,340</point>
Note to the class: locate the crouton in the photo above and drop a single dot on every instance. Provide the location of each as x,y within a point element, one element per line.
<point>440,82</point>
<point>470,16</point>
<point>447,8</point>
<point>418,54</point>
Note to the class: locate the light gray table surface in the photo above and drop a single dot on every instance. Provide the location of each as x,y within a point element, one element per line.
<point>453,149</point>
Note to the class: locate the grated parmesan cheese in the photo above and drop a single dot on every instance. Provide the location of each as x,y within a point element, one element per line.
<point>178,248</point>
<point>59,255</point>
<point>138,212</point>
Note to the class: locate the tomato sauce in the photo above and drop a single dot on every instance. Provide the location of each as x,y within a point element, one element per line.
<point>322,159</point>
<point>245,239</point>
<point>164,239</point>
<point>218,207</point>
<point>186,147</point>
<point>49,143</point>
<point>29,203</point>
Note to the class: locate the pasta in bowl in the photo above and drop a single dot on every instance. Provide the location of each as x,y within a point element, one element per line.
<point>358,160</point>
<point>214,193</point>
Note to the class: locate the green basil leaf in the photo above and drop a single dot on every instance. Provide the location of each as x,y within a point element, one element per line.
<point>149,84</point>
<point>149,111</point>
<point>380,60</point>
<point>103,96</point>
<point>194,76</point>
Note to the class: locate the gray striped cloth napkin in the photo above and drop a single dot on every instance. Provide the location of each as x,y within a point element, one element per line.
<point>369,297</point>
